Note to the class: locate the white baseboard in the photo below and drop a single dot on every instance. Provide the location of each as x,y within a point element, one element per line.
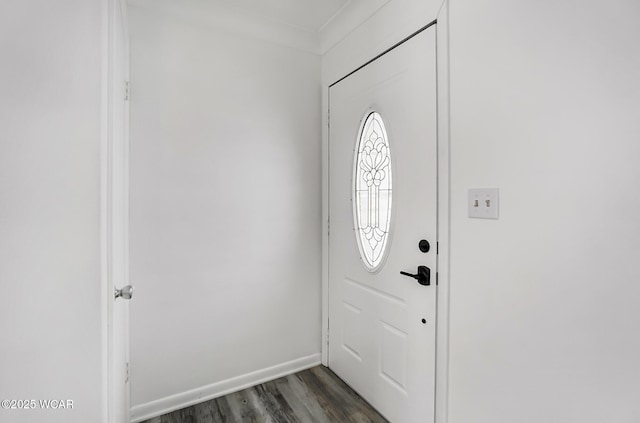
<point>194,396</point>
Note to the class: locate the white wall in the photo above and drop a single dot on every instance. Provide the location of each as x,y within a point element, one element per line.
<point>545,105</point>
<point>225,223</point>
<point>50,307</point>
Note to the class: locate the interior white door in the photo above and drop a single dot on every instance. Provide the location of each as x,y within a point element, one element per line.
<point>118,214</point>
<point>382,324</point>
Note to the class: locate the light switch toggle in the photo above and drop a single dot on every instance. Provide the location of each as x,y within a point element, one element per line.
<point>483,203</point>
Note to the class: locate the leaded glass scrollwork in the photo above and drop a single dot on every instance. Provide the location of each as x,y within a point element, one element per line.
<point>372,191</point>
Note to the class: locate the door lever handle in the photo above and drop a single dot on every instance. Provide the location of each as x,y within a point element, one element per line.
<point>423,276</point>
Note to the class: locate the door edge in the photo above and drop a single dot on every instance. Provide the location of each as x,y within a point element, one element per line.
<point>443,223</point>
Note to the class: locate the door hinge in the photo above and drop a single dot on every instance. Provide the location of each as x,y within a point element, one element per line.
<point>436,278</point>
<point>437,248</point>
<point>328,117</point>
<point>126,90</point>
<point>126,379</point>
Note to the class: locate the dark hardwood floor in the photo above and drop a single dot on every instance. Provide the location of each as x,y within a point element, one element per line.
<point>314,395</point>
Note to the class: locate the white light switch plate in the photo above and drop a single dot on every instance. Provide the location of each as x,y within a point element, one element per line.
<point>483,203</point>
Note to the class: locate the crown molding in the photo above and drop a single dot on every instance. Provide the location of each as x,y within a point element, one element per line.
<point>347,20</point>
<point>231,20</point>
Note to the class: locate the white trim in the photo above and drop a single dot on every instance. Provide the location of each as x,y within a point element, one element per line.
<point>112,194</point>
<point>194,396</point>
<point>105,310</point>
<point>124,8</point>
<point>325,228</point>
<point>334,16</point>
<point>107,204</point>
<point>234,21</point>
<point>350,17</point>
<point>444,232</point>
<point>123,191</point>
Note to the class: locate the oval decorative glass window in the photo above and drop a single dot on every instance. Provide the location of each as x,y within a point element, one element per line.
<point>372,191</point>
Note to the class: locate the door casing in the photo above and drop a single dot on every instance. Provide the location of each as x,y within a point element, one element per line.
<point>114,198</point>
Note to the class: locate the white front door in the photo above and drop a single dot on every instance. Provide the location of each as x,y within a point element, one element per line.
<point>381,323</point>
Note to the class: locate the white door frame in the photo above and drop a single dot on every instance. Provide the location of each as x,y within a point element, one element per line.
<point>109,221</point>
<point>443,187</point>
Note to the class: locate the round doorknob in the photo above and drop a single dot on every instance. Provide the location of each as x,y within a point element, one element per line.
<point>126,292</point>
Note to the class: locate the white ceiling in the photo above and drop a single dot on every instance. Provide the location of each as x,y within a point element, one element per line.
<point>308,15</point>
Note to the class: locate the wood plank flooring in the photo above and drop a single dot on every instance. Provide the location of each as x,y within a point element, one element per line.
<point>316,395</point>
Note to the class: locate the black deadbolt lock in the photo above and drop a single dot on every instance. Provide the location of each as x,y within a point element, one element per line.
<point>424,246</point>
